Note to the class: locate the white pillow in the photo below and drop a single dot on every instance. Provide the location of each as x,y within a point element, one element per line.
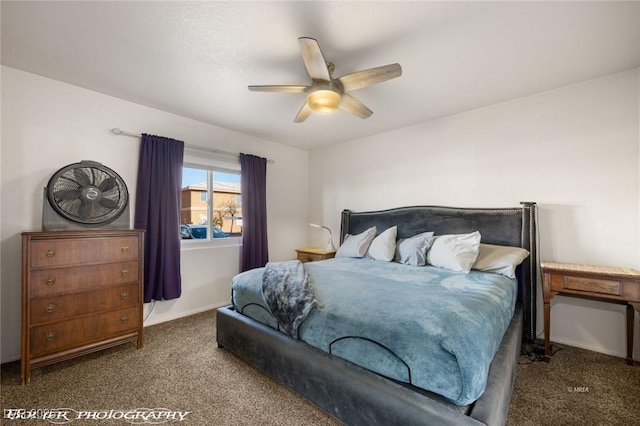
<point>456,252</point>
<point>356,245</point>
<point>413,251</point>
<point>383,247</point>
<point>500,259</point>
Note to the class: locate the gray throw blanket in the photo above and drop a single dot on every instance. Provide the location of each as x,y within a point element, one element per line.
<point>286,289</point>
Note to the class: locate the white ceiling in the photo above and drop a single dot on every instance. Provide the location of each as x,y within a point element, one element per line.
<point>196,59</point>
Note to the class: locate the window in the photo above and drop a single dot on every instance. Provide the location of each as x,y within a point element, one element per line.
<point>211,200</point>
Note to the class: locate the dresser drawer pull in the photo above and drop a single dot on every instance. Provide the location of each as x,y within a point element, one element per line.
<point>124,271</point>
<point>50,281</point>
<point>124,249</point>
<point>50,336</point>
<point>124,295</point>
<point>124,319</point>
<point>50,253</point>
<point>50,308</point>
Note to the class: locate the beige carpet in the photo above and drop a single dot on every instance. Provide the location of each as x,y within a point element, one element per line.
<point>182,369</point>
<point>578,387</point>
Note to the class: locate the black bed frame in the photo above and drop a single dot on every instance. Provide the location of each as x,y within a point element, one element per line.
<point>357,396</point>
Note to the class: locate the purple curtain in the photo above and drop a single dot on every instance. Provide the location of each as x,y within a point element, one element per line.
<point>158,213</point>
<point>253,181</point>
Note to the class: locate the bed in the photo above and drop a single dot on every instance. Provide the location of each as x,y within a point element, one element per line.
<point>357,395</point>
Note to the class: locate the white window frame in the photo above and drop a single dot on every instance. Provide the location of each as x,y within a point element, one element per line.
<point>194,158</point>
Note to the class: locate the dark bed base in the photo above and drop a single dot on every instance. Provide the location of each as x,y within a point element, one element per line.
<point>357,396</point>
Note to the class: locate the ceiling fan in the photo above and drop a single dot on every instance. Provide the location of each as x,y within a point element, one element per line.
<point>326,93</point>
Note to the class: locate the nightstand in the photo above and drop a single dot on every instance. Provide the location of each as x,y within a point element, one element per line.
<point>312,254</point>
<point>604,283</point>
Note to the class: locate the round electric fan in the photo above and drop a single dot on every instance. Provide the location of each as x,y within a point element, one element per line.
<point>87,193</point>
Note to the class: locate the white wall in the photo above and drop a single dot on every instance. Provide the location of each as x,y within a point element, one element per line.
<point>574,150</point>
<point>48,124</point>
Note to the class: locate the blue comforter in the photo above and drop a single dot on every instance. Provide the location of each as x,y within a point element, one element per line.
<point>430,327</point>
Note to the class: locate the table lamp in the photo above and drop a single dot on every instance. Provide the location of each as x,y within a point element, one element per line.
<point>330,246</point>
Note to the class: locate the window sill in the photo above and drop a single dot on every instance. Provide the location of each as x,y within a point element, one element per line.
<point>186,245</point>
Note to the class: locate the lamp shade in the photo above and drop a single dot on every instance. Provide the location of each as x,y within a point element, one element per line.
<point>324,100</point>
<point>330,246</point>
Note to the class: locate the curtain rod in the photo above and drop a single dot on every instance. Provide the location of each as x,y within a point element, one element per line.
<point>118,132</point>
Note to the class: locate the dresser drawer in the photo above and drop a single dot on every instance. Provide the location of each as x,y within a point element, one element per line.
<point>312,254</point>
<point>48,339</point>
<point>65,252</point>
<point>55,308</point>
<point>309,257</point>
<point>563,283</point>
<point>594,285</point>
<point>45,282</point>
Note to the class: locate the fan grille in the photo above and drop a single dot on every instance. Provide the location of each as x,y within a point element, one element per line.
<point>87,193</point>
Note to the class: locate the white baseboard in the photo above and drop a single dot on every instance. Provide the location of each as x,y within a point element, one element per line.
<point>591,348</point>
<point>12,358</point>
<point>170,317</point>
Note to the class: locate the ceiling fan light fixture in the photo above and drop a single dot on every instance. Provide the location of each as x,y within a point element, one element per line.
<point>324,100</point>
<point>326,94</point>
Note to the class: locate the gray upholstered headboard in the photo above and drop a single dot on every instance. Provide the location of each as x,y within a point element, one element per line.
<point>503,226</point>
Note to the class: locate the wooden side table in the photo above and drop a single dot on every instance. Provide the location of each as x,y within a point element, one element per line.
<point>312,254</point>
<point>604,283</point>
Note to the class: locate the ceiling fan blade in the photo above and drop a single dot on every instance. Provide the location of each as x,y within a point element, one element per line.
<point>354,106</point>
<point>304,113</point>
<point>313,59</point>
<point>285,89</point>
<point>360,79</point>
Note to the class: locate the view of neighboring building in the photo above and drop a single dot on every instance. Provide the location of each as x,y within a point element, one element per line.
<point>226,201</point>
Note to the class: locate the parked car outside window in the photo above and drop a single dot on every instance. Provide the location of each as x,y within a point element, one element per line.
<point>198,232</point>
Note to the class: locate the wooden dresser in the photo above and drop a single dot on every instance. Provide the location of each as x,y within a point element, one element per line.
<point>81,292</point>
